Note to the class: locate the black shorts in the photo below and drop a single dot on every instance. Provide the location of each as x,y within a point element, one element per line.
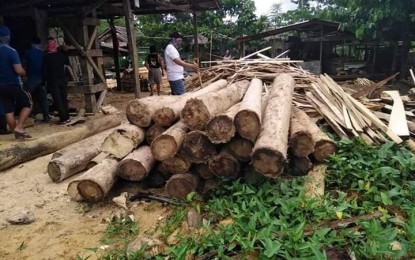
<point>14,95</point>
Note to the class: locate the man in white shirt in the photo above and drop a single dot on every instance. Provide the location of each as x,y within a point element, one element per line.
<point>175,65</point>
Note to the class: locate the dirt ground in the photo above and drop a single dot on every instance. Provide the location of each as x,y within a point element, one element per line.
<point>62,228</point>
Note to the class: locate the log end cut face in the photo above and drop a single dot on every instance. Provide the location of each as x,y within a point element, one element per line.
<point>195,114</point>
<point>118,145</point>
<point>323,150</point>
<point>197,147</point>
<point>90,191</point>
<point>268,162</point>
<point>179,185</point>
<point>131,170</point>
<point>247,124</point>
<point>225,166</point>
<point>138,114</point>
<point>164,147</point>
<point>241,149</point>
<point>164,116</point>
<point>54,171</point>
<point>220,129</point>
<point>177,164</point>
<point>302,144</point>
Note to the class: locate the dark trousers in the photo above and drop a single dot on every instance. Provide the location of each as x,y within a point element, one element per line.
<point>41,102</point>
<point>60,100</point>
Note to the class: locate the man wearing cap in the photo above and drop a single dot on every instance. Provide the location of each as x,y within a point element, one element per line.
<point>175,65</point>
<point>11,87</point>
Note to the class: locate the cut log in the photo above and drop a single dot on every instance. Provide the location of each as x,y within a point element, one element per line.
<point>25,151</point>
<point>197,147</point>
<point>314,184</point>
<point>270,150</point>
<point>177,164</point>
<point>240,148</point>
<point>153,131</point>
<point>299,166</point>
<point>73,191</point>
<point>220,128</point>
<point>248,118</point>
<point>179,185</point>
<point>137,165</point>
<point>123,140</point>
<point>225,165</point>
<point>170,113</point>
<point>198,111</point>
<point>96,160</point>
<point>95,140</point>
<point>95,183</point>
<point>169,143</point>
<point>140,111</point>
<point>301,140</point>
<point>157,178</point>
<point>203,170</point>
<point>71,162</point>
<point>209,187</point>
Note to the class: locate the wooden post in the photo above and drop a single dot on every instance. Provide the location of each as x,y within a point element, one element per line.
<point>196,36</point>
<point>115,46</point>
<point>132,47</point>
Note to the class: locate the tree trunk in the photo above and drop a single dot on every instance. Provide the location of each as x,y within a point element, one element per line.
<point>240,148</point>
<point>177,164</point>
<point>301,140</point>
<point>198,111</point>
<point>248,118</point>
<point>71,162</point>
<point>197,148</point>
<point>314,184</point>
<point>25,151</point>
<point>270,150</point>
<point>168,144</point>
<point>168,114</point>
<point>123,140</point>
<point>203,170</point>
<point>153,131</point>
<point>140,111</point>
<point>95,140</point>
<point>179,185</point>
<point>95,183</point>
<point>220,128</point>
<point>137,165</point>
<point>299,166</point>
<point>225,165</point>
<point>96,160</point>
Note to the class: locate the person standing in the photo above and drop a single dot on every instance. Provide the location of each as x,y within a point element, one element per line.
<point>12,92</point>
<point>155,66</point>
<point>54,74</point>
<point>175,65</point>
<point>35,84</point>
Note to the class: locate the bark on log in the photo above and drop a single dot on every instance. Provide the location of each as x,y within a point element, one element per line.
<point>240,148</point>
<point>95,140</point>
<point>153,131</point>
<point>203,170</point>
<point>168,144</point>
<point>179,185</point>
<point>220,128</point>
<point>123,140</point>
<point>198,111</point>
<point>140,111</point>
<point>314,184</point>
<point>71,162</point>
<point>197,148</point>
<point>168,114</point>
<point>137,165</point>
<point>249,115</point>
<point>225,165</point>
<point>270,150</point>
<point>299,166</point>
<point>96,160</point>
<point>301,140</point>
<point>177,164</point>
<point>95,183</point>
<point>25,151</point>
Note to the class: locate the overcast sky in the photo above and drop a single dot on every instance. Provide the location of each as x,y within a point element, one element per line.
<point>264,6</point>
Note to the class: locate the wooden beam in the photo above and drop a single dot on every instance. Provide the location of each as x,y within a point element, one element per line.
<point>88,9</point>
<point>252,54</point>
<point>397,121</point>
<point>132,47</point>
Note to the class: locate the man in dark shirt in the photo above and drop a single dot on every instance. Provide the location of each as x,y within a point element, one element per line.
<point>54,74</point>
<point>11,88</point>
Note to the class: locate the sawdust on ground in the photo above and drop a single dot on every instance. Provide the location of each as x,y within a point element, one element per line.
<point>62,228</point>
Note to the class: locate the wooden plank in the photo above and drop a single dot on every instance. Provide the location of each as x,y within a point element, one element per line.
<point>255,53</point>
<point>92,40</point>
<point>397,122</point>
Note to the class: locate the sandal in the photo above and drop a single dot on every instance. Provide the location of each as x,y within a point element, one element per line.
<point>21,135</point>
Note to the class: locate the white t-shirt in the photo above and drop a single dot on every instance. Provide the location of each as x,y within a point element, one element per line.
<point>174,71</point>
